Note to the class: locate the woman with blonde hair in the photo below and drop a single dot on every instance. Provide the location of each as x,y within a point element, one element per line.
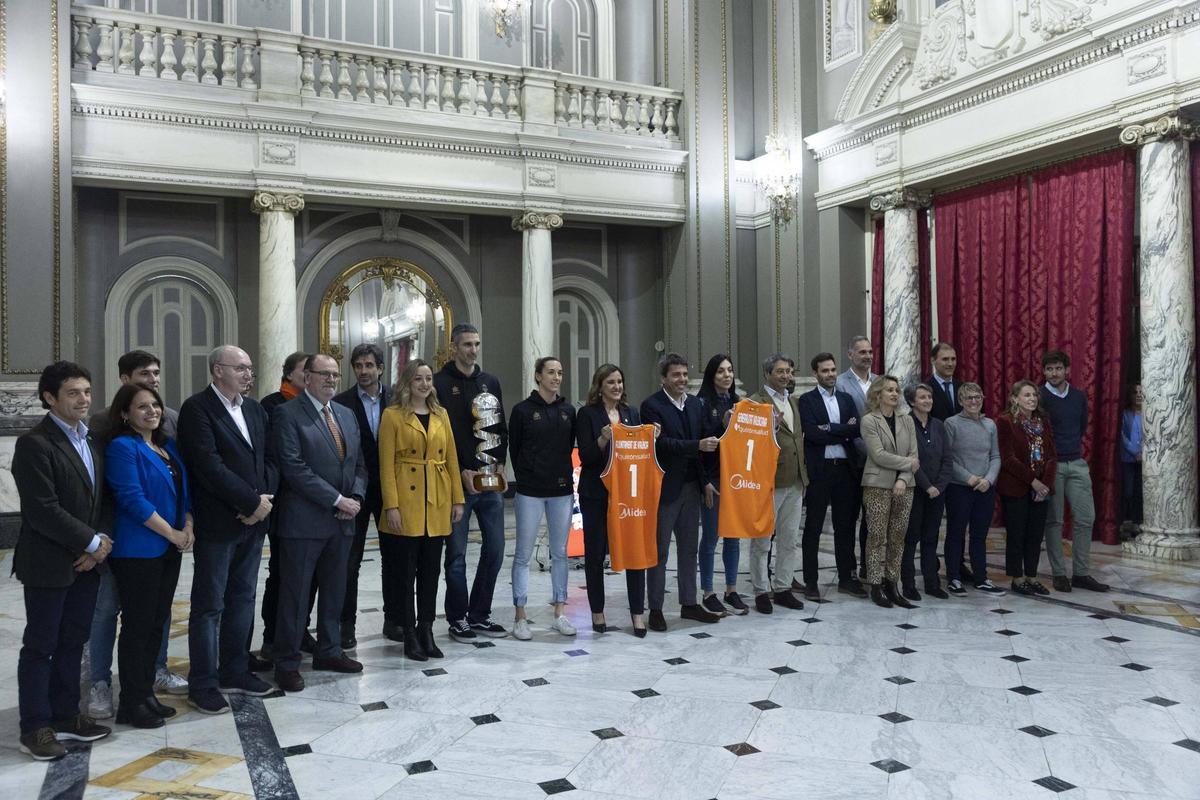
<point>1028,462</point>
<point>422,497</point>
<point>892,459</point>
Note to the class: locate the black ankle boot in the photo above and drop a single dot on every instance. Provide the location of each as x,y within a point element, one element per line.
<point>878,597</point>
<point>889,590</point>
<point>413,650</point>
<point>425,636</point>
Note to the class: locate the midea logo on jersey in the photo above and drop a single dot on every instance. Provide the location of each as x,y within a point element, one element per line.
<point>626,511</point>
<point>736,481</point>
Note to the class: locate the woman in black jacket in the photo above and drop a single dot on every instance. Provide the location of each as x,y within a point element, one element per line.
<point>541,434</point>
<point>929,498</point>
<point>606,404</point>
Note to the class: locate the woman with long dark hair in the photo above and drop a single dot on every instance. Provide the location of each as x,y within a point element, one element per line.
<point>606,405</point>
<point>151,528</point>
<point>719,395</point>
<point>422,497</point>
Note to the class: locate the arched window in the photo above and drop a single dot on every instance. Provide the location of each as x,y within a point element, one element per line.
<point>564,36</point>
<point>577,342</point>
<point>423,26</point>
<point>175,318</point>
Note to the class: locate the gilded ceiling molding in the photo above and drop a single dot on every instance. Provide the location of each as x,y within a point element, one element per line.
<point>545,220</point>
<point>278,200</point>
<point>1169,126</point>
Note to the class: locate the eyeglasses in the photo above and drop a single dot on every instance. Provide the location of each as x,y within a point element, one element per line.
<point>973,398</point>
<point>238,368</point>
<point>325,374</point>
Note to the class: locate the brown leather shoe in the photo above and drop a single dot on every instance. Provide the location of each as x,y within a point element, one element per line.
<point>342,663</point>
<point>289,680</point>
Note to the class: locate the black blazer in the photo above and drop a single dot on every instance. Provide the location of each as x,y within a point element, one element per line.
<point>60,508</point>
<point>227,475</point>
<point>370,446</point>
<point>944,405</point>
<point>812,416</point>
<point>677,446</point>
<point>589,421</point>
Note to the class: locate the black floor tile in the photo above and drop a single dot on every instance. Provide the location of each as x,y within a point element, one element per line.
<point>742,749</point>
<point>646,693</point>
<point>485,719</point>
<point>765,705</point>
<point>899,680</point>
<point>700,635</point>
<point>905,626</point>
<point>1161,701</point>
<point>1054,784</point>
<point>576,652</point>
<point>1115,639</point>
<point>895,717</point>
<point>607,733</point>
<point>535,682</point>
<point>890,765</point>
<point>1007,632</point>
<point>903,650</point>
<point>1025,690</point>
<point>302,749</point>
<point>1037,730</point>
<point>783,670</point>
<point>1189,744</point>
<point>557,786</point>
<point>482,645</point>
<point>798,643</point>
<point>417,767</point>
<point>380,706</point>
<point>1001,611</point>
<point>675,662</point>
<point>1136,667</point>
<point>434,672</point>
<point>1015,659</point>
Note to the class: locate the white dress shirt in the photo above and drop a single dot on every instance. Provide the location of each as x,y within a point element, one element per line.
<point>235,410</point>
<point>1063,394</point>
<point>835,417</point>
<point>680,403</point>
<point>780,399</point>
<point>77,436</point>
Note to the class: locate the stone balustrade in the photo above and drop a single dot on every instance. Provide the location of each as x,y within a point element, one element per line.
<point>146,46</point>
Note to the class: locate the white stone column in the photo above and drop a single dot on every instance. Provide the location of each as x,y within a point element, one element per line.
<point>537,287</point>
<point>1168,341</point>
<point>277,318</point>
<point>901,283</point>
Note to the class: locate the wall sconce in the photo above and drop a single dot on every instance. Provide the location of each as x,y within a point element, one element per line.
<point>779,178</point>
<point>507,15</point>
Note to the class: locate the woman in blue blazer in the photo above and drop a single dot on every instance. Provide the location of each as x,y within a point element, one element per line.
<point>152,527</point>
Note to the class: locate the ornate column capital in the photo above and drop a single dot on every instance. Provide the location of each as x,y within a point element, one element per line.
<point>1169,126</point>
<point>901,198</point>
<point>277,200</point>
<point>547,220</point>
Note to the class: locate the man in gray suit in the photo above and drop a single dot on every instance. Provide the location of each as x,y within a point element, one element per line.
<point>323,482</point>
<point>855,382</point>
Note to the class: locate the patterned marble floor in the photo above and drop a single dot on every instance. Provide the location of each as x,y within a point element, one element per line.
<point>1081,695</point>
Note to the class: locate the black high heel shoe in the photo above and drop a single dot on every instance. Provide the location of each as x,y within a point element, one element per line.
<point>600,627</point>
<point>638,632</point>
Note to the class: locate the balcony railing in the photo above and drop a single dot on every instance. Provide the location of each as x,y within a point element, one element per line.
<point>149,47</point>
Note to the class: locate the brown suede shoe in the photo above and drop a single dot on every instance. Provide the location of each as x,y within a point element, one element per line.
<point>342,663</point>
<point>289,680</point>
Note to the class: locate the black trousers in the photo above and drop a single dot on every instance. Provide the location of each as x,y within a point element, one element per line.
<point>270,601</point>
<point>354,563</point>
<point>923,525</point>
<point>422,569</point>
<point>58,622</point>
<point>1131,491</point>
<point>837,488</point>
<point>595,549</point>
<point>1025,526</point>
<point>303,564</point>
<point>392,557</point>
<point>146,587</point>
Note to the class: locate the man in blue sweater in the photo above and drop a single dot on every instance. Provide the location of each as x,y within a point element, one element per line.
<point>1067,408</point>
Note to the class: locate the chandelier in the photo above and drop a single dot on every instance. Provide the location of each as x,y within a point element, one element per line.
<point>507,15</point>
<point>779,178</point>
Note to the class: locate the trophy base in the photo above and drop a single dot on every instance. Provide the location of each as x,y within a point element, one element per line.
<point>489,482</point>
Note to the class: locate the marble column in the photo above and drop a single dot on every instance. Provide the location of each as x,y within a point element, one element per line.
<point>537,287</point>
<point>901,283</point>
<point>1168,340</point>
<point>635,41</point>
<point>277,318</point>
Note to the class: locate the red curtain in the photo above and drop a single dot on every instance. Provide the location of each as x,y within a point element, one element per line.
<point>1040,262</point>
<point>877,298</point>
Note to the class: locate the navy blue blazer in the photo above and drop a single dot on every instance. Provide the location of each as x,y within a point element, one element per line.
<point>593,459</point>
<point>676,446</point>
<point>142,485</point>
<point>812,416</point>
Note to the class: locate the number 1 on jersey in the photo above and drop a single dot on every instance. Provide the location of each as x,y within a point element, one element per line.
<point>633,480</point>
<point>749,454</point>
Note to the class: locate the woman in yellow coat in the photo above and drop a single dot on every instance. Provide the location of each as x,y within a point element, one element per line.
<point>422,496</point>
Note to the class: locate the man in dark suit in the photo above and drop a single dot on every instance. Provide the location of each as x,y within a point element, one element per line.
<point>59,473</point>
<point>680,417</point>
<point>367,399</point>
<point>323,481</point>
<point>830,423</point>
<point>223,441</point>
<point>945,388</point>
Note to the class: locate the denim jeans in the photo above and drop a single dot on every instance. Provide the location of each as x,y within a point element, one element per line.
<point>558,525</point>
<point>224,580</point>
<point>477,606</point>
<point>730,548</point>
<point>104,631</point>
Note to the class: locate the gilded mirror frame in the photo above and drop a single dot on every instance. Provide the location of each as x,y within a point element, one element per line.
<point>389,270</point>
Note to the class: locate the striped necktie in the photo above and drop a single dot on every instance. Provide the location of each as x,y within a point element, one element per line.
<point>336,433</point>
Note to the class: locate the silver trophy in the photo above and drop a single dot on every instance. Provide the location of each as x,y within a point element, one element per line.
<point>485,408</point>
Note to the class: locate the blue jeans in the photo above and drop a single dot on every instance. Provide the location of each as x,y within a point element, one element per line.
<point>968,509</point>
<point>104,631</point>
<point>558,525</point>
<point>730,548</point>
<point>476,607</point>
<point>224,580</point>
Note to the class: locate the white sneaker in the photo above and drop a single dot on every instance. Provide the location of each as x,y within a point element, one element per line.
<point>521,630</point>
<point>563,626</point>
<point>170,682</point>
<point>100,700</point>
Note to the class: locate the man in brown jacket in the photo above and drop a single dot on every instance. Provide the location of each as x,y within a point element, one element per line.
<point>791,476</point>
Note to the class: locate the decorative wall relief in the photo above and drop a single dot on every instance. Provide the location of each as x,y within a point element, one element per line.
<point>1145,64</point>
<point>843,28</point>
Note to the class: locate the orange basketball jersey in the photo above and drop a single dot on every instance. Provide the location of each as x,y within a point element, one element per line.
<point>749,454</point>
<point>634,482</point>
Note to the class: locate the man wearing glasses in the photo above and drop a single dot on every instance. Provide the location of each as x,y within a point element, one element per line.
<point>223,441</point>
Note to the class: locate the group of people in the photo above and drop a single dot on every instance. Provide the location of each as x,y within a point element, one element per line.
<point>109,506</point>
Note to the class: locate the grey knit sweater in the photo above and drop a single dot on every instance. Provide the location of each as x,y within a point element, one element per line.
<point>974,448</point>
